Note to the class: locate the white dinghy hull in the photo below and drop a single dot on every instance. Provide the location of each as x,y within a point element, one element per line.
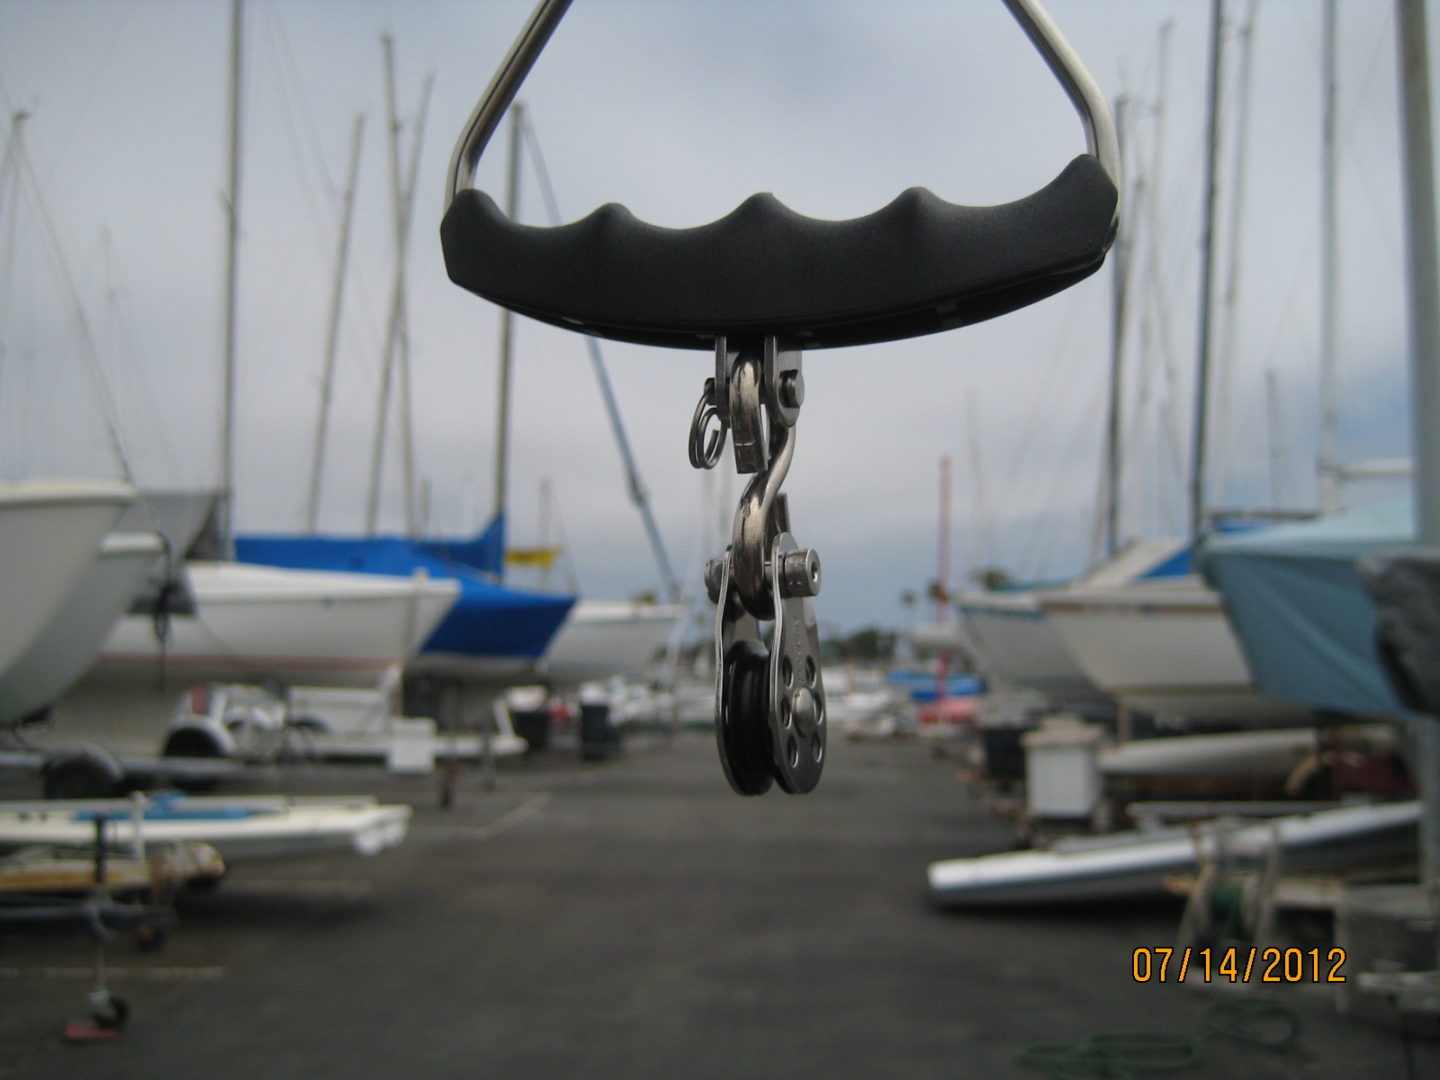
<point>239,829</point>
<point>1132,866</point>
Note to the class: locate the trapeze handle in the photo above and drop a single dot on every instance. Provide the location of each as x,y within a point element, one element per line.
<point>917,266</point>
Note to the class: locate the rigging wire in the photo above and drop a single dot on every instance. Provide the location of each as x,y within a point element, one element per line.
<point>125,353</point>
<point>9,200</point>
<point>307,130</point>
<point>1229,293</point>
<point>89,349</point>
<point>1056,389</point>
<point>1350,123</point>
<point>638,493</point>
<point>1043,542</point>
<point>100,77</point>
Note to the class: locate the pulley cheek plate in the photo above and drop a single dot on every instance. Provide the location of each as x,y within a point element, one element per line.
<point>797,692</point>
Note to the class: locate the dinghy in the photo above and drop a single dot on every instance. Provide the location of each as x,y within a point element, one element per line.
<point>240,829</point>
<point>1134,865</point>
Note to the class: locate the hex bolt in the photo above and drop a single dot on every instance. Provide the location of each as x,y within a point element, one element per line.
<point>792,389</point>
<point>799,573</point>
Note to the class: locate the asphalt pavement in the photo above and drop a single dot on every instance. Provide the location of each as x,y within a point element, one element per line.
<point>633,918</point>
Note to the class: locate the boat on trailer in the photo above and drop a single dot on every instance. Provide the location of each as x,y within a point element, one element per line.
<point>50,871</point>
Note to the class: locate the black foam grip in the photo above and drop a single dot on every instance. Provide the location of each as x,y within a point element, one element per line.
<point>917,266</point>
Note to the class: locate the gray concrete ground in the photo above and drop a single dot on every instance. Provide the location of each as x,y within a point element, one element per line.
<point>633,918</point>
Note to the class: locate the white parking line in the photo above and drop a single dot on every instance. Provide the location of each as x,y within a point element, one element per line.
<point>506,821</point>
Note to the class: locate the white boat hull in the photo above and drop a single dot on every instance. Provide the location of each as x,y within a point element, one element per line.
<point>1132,866</point>
<point>1163,649</point>
<point>239,829</point>
<point>69,644</point>
<point>254,622</point>
<point>1020,646</point>
<point>49,533</point>
<point>600,639</point>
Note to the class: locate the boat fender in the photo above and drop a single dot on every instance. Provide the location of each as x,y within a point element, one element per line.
<point>81,771</point>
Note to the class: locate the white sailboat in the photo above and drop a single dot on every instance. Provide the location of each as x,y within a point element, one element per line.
<point>1018,643</point>
<point>1019,647</point>
<point>249,624</point>
<point>1022,647</point>
<point>602,638</point>
<point>49,533</point>
<point>70,642</point>
<point>1164,649</point>
<point>252,622</point>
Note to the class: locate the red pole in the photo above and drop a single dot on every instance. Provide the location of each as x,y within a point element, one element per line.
<point>942,598</point>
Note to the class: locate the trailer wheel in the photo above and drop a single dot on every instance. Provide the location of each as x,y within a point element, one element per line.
<point>80,776</point>
<point>193,743</point>
<point>108,1011</point>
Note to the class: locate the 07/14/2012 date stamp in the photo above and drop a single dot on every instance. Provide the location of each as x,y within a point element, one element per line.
<point>1238,964</point>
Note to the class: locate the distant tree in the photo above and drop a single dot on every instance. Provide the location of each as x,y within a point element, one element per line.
<point>992,578</point>
<point>868,645</point>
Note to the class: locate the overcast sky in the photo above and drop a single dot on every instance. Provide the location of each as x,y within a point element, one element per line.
<point>680,109</point>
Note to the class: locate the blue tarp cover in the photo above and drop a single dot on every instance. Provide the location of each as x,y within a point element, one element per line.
<point>1300,611</point>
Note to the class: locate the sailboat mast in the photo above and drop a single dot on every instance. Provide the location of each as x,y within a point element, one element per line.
<point>942,568</point>
<point>1110,542</point>
<point>1199,445</point>
<point>397,341</point>
<point>1235,234</point>
<point>232,267</point>
<point>507,332</point>
<point>1329,466</point>
<point>1155,322</point>
<point>404,213</point>
<point>387,364</point>
<point>942,579</point>
<point>1423,280</point>
<point>332,334</point>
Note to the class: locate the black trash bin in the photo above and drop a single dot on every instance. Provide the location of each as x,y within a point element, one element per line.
<point>532,725</point>
<point>1004,752</point>
<point>599,737</point>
